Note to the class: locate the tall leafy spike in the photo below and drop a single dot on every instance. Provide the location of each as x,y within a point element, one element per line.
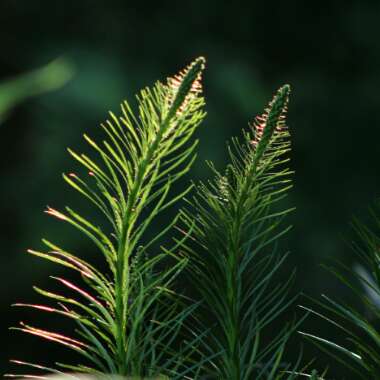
<point>126,314</point>
<point>232,256</point>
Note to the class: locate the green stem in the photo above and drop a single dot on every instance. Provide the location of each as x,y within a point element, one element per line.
<point>126,246</point>
<point>122,264</point>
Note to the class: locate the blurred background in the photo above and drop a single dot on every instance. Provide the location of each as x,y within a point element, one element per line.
<point>328,51</point>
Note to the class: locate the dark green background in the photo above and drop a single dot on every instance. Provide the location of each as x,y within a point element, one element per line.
<point>328,51</point>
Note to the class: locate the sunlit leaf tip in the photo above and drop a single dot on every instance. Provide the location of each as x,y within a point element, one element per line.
<point>185,84</point>
<point>273,119</point>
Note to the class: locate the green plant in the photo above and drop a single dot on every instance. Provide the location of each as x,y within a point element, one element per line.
<point>232,253</point>
<point>130,320</point>
<point>127,314</point>
<point>361,355</point>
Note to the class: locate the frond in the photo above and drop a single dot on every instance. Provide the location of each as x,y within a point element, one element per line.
<point>122,326</point>
<point>234,226</point>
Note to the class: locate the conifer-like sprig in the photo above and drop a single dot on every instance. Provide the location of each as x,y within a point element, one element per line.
<point>234,228</point>
<point>360,354</point>
<point>126,312</point>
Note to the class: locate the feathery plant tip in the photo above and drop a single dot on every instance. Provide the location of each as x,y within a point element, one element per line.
<point>186,84</point>
<point>271,121</point>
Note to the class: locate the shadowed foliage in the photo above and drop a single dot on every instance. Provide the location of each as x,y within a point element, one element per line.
<point>360,355</point>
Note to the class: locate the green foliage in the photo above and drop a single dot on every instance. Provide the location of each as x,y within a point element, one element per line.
<point>126,315</point>
<point>130,321</point>
<point>361,355</point>
<point>232,252</point>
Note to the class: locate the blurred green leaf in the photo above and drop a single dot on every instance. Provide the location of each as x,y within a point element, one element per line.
<point>48,78</point>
